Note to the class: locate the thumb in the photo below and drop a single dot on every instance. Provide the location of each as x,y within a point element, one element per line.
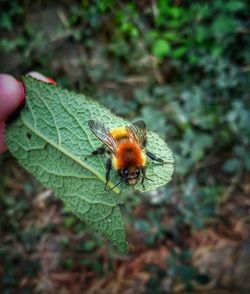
<point>11,95</point>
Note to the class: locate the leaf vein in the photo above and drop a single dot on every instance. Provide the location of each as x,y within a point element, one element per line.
<point>53,117</point>
<point>74,158</point>
<point>72,115</point>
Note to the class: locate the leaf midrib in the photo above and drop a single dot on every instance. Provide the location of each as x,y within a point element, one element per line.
<point>71,156</point>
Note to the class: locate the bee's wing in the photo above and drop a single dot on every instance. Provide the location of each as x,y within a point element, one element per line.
<point>103,134</point>
<point>139,130</point>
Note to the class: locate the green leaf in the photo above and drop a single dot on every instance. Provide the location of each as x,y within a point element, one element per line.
<point>51,137</point>
<point>180,51</point>
<point>235,5</point>
<point>231,165</point>
<point>224,24</point>
<point>161,48</point>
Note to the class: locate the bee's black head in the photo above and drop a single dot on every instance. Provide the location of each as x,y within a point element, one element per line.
<point>132,175</point>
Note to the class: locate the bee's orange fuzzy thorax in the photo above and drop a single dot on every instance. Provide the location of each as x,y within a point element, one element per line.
<point>129,154</point>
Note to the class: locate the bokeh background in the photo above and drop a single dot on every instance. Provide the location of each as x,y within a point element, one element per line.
<point>183,67</point>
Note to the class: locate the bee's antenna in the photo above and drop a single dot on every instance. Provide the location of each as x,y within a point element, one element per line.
<point>149,179</point>
<point>118,183</point>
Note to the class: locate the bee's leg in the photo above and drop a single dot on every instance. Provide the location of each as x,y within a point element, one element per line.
<point>143,171</point>
<point>98,151</point>
<point>108,170</point>
<point>155,158</point>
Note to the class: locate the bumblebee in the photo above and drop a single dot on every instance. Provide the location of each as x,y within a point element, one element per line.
<point>126,147</point>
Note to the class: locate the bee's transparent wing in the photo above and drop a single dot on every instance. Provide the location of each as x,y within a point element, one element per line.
<point>139,130</point>
<point>103,134</point>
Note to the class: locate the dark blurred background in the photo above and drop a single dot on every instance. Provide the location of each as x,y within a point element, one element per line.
<point>183,67</point>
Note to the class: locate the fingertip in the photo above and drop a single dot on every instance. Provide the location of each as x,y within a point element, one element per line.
<point>11,95</point>
<point>41,77</point>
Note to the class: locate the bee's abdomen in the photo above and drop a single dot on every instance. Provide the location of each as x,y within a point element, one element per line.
<point>128,154</point>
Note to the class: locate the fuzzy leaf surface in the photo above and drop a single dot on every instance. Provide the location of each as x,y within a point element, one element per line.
<point>50,138</point>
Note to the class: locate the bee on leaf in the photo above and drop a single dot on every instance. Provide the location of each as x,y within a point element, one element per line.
<point>126,147</point>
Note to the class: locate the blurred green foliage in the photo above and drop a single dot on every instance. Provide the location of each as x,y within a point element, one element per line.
<point>183,67</point>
